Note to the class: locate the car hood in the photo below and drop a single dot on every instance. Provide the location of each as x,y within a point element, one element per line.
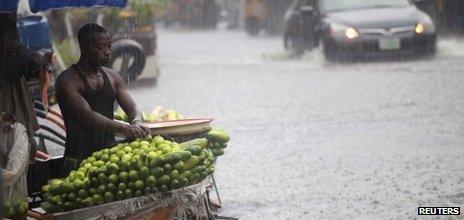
<point>377,17</point>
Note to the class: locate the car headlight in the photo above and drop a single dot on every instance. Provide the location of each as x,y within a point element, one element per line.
<point>343,31</point>
<point>425,26</point>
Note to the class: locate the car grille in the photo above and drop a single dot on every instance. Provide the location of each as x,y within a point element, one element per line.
<point>387,31</point>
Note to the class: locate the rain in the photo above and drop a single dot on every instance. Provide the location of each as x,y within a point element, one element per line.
<point>335,109</point>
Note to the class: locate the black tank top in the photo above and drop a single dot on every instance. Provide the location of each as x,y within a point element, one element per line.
<point>81,139</point>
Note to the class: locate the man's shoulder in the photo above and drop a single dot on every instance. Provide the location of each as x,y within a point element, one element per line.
<point>113,74</point>
<point>66,77</point>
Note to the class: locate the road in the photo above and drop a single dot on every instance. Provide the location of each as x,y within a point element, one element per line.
<point>313,139</point>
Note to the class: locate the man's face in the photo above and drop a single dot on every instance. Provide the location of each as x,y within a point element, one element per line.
<point>99,50</point>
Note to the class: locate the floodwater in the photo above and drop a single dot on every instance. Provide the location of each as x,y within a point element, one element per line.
<point>312,139</point>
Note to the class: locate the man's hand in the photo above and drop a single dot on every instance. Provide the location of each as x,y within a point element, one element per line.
<point>135,131</point>
<point>143,127</point>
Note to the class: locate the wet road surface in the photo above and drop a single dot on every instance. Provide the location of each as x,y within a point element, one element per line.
<point>313,139</point>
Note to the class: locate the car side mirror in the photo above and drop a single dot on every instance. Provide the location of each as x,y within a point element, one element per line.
<point>307,10</point>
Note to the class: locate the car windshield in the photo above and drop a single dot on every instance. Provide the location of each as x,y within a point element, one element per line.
<point>342,5</point>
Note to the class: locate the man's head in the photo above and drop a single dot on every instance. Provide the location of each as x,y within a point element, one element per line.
<point>95,44</point>
<point>9,37</point>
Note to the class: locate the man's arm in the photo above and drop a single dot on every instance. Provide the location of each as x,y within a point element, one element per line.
<point>127,103</point>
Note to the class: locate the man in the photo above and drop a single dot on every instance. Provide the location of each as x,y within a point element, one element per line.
<point>86,93</point>
<point>16,64</point>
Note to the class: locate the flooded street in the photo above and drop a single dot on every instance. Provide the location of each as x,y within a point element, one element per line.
<point>312,139</point>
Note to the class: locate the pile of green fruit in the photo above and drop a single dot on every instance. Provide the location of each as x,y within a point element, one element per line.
<point>217,141</point>
<point>15,208</point>
<point>129,170</point>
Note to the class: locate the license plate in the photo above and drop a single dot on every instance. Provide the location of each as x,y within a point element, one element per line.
<point>390,44</point>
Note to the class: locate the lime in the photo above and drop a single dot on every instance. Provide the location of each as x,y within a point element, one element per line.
<point>136,157</point>
<point>159,153</point>
<point>167,168</point>
<point>113,150</point>
<point>122,187</point>
<point>105,151</point>
<point>93,191</point>
<point>120,153</point>
<point>156,162</point>
<point>77,185</point>
<point>150,181</point>
<point>144,147</point>
<point>66,187</point>
<point>167,150</point>
<point>175,184</point>
<point>79,175</point>
<point>134,144</point>
<point>179,166</point>
<point>163,188</point>
<point>88,202</point>
<point>211,169</point>
<point>152,155</point>
<point>130,185</point>
<point>144,143</point>
<point>97,199</point>
<point>113,168</point>
<point>127,149</point>
<point>138,193</point>
<point>102,189</point>
<point>45,188</point>
<point>102,178</point>
<point>124,176</point>
<point>105,157</point>
<point>109,197</point>
<point>164,180</point>
<point>98,163</point>
<point>94,181</point>
<point>68,206</point>
<point>82,194</point>
<point>113,178</point>
<point>102,169</point>
<point>87,165</point>
<point>147,191</point>
<point>114,159</point>
<point>82,169</point>
<point>79,202</point>
<point>162,146</point>
<point>119,195</point>
<point>128,194</point>
<point>144,173</point>
<point>174,174</point>
<point>186,174</point>
<point>137,151</point>
<point>133,175</point>
<point>126,158</point>
<point>157,171</point>
<point>158,140</point>
<point>139,185</point>
<point>111,187</point>
<point>72,197</point>
<point>183,181</point>
<point>91,159</point>
<point>97,155</point>
<point>56,199</point>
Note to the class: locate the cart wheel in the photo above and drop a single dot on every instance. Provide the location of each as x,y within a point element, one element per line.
<point>128,58</point>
